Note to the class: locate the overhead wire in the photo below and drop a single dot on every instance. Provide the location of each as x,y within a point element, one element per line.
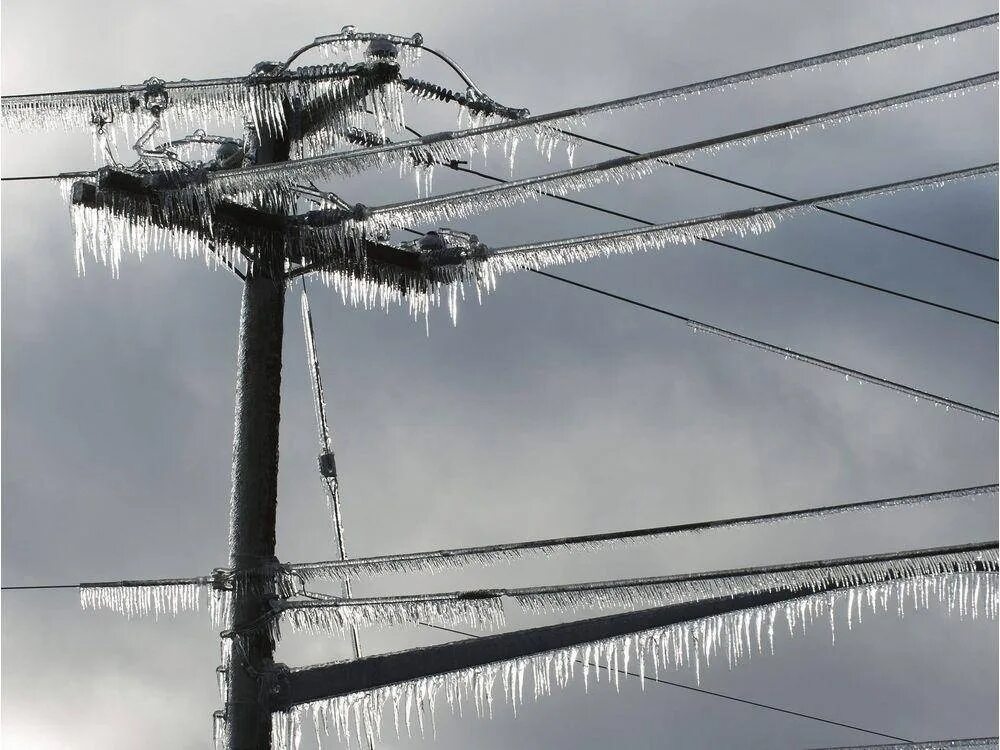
<point>382,565</point>
<point>349,162</point>
<point>853,570</point>
<point>471,201</point>
<point>752,253</point>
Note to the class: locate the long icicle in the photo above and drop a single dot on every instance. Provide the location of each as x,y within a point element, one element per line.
<point>693,644</point>
<point>464,203</point>
<point>544,128</point>
<point>328,466</point>
<point>448,559</point>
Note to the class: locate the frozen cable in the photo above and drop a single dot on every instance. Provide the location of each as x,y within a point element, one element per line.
<point>465,203</point>
<point>494,553</point>
<point>452,144</point>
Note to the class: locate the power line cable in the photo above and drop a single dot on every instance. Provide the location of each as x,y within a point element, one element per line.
<point>449,145</point>
<point>858,570</point>
<point>848,372</point>
<point>384,565</point>
<point>774,194</point>
<point>471,201</point>
<point>703,691</point>
<point>753,253</point>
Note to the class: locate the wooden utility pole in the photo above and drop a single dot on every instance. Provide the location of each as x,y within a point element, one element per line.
<point>254,502</point>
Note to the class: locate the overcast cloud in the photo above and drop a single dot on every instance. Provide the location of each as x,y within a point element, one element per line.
<point>548,410</point>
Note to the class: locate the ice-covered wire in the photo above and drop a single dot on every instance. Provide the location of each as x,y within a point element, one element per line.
<point>849,373</point>
<point>754,220</point>
<point>979,743</point>
<point>165,596</point>
<point>544,128</point>
<point>490,554</point>
<point>464,203</point>
<point>259,96</point>
<point>484,607</point>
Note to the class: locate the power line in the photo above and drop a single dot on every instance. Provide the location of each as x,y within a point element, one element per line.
<point>31,177</point>
<point>485,198</point>
<point>41,586</point>
<point>789,353</point>
<point>753,253</point>
<point>454,144</point>
<point>382,565</point>
<point>772,193</point>
<point>724,696</point>
<point>847,372</point>
<point>483,604</point>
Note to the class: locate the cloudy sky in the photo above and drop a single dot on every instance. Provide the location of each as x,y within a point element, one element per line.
<point>547,410</point>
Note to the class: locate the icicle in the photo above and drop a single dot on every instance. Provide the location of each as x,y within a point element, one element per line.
<point>481,612</point>
<point>141,598</point>
<point>549,128</point>
<point>485,610</point>
<point>688,644</point>
<point>467,203</point>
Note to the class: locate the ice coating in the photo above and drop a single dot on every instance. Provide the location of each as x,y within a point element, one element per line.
<point>695,645</point>
<point>465,203</point>
<point>548,130</point>
<point>484,609</point>
<point>219,103</point>
<point>752,221</point>
<point>450,559</point>
<point>337,616</point>
<point>143,598</point>
<point>986,743</point>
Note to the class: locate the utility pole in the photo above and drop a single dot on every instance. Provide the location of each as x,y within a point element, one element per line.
<point>253,506</point>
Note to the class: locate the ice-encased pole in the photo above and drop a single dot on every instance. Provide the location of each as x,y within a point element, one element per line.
<point>253,506</point>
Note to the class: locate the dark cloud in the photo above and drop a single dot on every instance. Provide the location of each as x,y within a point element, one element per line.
<point>547,410</point>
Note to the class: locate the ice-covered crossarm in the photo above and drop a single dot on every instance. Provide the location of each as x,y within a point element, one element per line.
<point>464,203</point>
<point>483,608</point>
<point>448,559</point>
<point>545,130</point>
<point>437,675</point>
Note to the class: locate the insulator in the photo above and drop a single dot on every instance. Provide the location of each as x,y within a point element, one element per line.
<point>327,465</point>
<point>383,49</point>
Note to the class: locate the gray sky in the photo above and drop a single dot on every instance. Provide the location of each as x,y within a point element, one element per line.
<point>548,410</point>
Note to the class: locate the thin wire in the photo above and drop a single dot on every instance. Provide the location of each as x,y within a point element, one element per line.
<point>763,256</point>
<point>712,693</point>
<point>848,372</point>
<point>44,586</point>
<point>323,162</point>
<point>31,177</point>
<point>765,191</point>
<point>639,165</point>
<point>909,561</point>
<point>728,221</point>
<point>458,556</point>
<point>790,353</point>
